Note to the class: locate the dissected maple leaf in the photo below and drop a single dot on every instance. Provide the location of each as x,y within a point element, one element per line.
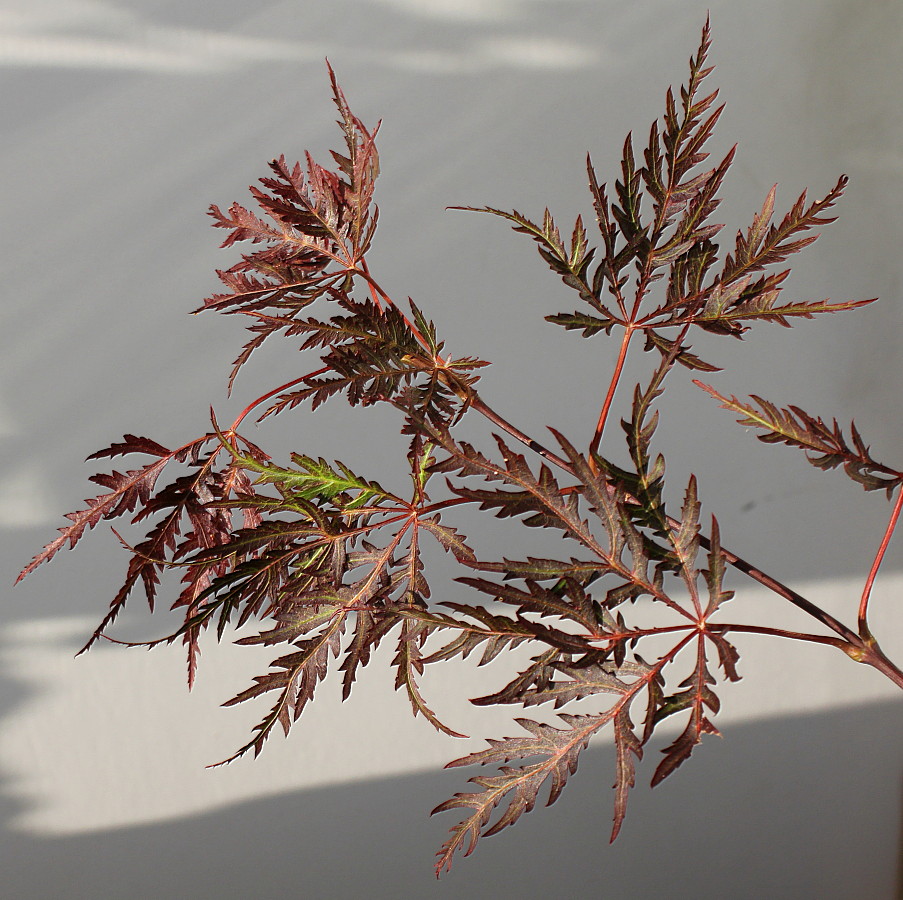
<point>825,446</point>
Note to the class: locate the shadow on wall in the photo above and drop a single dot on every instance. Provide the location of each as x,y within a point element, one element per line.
<point>782,809</point>
<point>787,808</point>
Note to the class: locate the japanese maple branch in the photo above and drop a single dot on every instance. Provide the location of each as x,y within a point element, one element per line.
<point>856,646</point>
<point>862,649</point>
<point>724,628</point>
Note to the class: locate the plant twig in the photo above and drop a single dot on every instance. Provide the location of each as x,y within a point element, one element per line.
<point>873,572</point>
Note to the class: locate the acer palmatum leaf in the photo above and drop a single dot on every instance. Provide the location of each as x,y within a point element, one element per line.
<point>825,446</point>
<point>125,492</point>
<point>294,680</point>
<point>697,696</point>
<point>518,785</point>
<point>760,248</point>
<point>409,663</point>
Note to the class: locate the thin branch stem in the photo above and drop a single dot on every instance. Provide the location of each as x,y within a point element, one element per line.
<point>780,632</point>
<point>375,289</point>
<point>612,387</point>
<point>273,393</point>
<point>862,649</point>
<point>874,656</point>
<point>873,572</point>
<point>477,404</point>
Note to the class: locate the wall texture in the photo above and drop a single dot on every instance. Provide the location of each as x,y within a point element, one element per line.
<point>123,120</point>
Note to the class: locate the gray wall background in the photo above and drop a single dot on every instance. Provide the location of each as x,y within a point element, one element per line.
<point>123,121</point>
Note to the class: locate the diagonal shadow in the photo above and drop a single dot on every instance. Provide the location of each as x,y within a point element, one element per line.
<point>791,808</point>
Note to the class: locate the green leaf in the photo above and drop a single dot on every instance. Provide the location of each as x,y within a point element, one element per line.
<point>317,479</point>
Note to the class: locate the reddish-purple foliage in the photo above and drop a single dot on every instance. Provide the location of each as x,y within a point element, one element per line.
<point>329,563</point>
